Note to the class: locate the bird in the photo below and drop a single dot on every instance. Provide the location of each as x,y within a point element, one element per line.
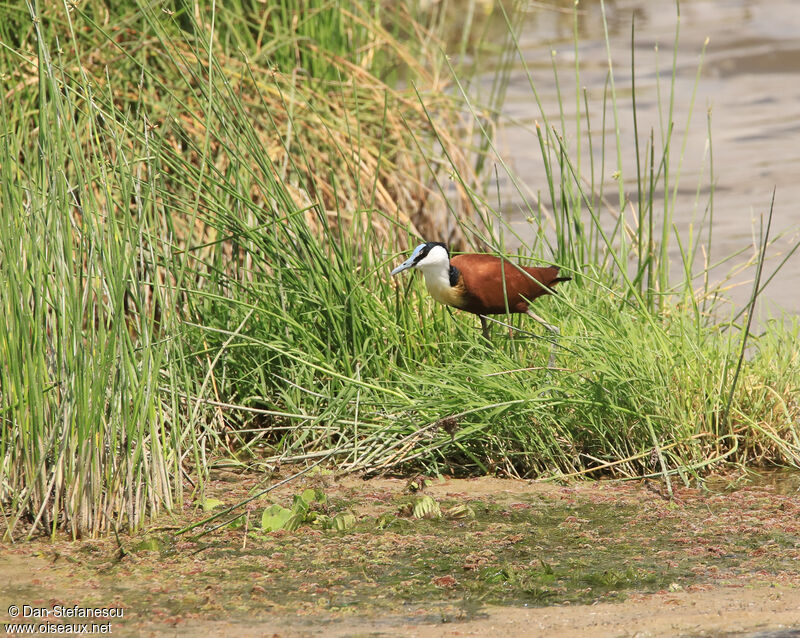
<point>474,282</point>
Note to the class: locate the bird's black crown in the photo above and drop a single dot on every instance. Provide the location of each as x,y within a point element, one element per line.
<point>428,247</point>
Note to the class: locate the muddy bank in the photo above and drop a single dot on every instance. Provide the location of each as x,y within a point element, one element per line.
<point>495,557</point>
<point>719,612</point>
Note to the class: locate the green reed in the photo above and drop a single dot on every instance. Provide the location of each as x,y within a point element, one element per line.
<point>195,258</point>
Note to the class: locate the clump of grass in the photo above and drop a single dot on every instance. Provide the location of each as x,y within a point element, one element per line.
<point>218,154</point>
<point>646,385</point>
<point>195,273</point>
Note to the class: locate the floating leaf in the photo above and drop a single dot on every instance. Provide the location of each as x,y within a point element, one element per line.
<point>494,575</point>
<point>236,523</point>
<point>459,511</point>
<point>310,496</point>
<point>299,505</point>
<point>427,507</point>
<point>385,520</point>
<point>275,517</point>
<point>294,521</point>
<point>149,545</point>
<point>342,522</point>
<point>210,503</point>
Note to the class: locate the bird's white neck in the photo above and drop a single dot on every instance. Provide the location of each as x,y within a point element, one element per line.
<point>437,281</point>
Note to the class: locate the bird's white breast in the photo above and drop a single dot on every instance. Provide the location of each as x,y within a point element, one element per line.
<point>437,281</point>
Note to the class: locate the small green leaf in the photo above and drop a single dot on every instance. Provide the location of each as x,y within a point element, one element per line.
<point>274,518</point>
<point>294,521</point>
<point>299,505</point>
<point>459,511</point>
<point>149,545</point>
<point>385,520</point>
<point>426,507</point>
<point>210,503</point>
<point>343,522</point>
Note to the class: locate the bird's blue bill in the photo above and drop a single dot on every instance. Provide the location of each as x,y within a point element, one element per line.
<point>410,262</point>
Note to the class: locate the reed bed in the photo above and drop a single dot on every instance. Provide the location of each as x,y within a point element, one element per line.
<point>200,212</point>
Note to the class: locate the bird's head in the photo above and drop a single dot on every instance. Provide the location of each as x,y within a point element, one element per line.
<point>433,255</point>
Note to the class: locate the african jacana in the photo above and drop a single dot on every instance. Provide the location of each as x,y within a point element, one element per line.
<point>474,282</point>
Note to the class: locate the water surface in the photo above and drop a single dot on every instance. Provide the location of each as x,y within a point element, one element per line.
<point>749,84</point>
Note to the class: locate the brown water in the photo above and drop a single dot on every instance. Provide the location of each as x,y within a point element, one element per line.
<point>750,84</point>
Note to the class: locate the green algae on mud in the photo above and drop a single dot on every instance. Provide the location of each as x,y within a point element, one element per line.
<point>524,544</point>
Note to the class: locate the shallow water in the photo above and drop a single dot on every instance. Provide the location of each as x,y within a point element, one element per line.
<point>711,563</point>
<point>750,83</point>
<point>785,482</point>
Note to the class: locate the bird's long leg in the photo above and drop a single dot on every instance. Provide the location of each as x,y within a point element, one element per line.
<point>554,329</point>
<point>484,328</point>
<point>536,317</point>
